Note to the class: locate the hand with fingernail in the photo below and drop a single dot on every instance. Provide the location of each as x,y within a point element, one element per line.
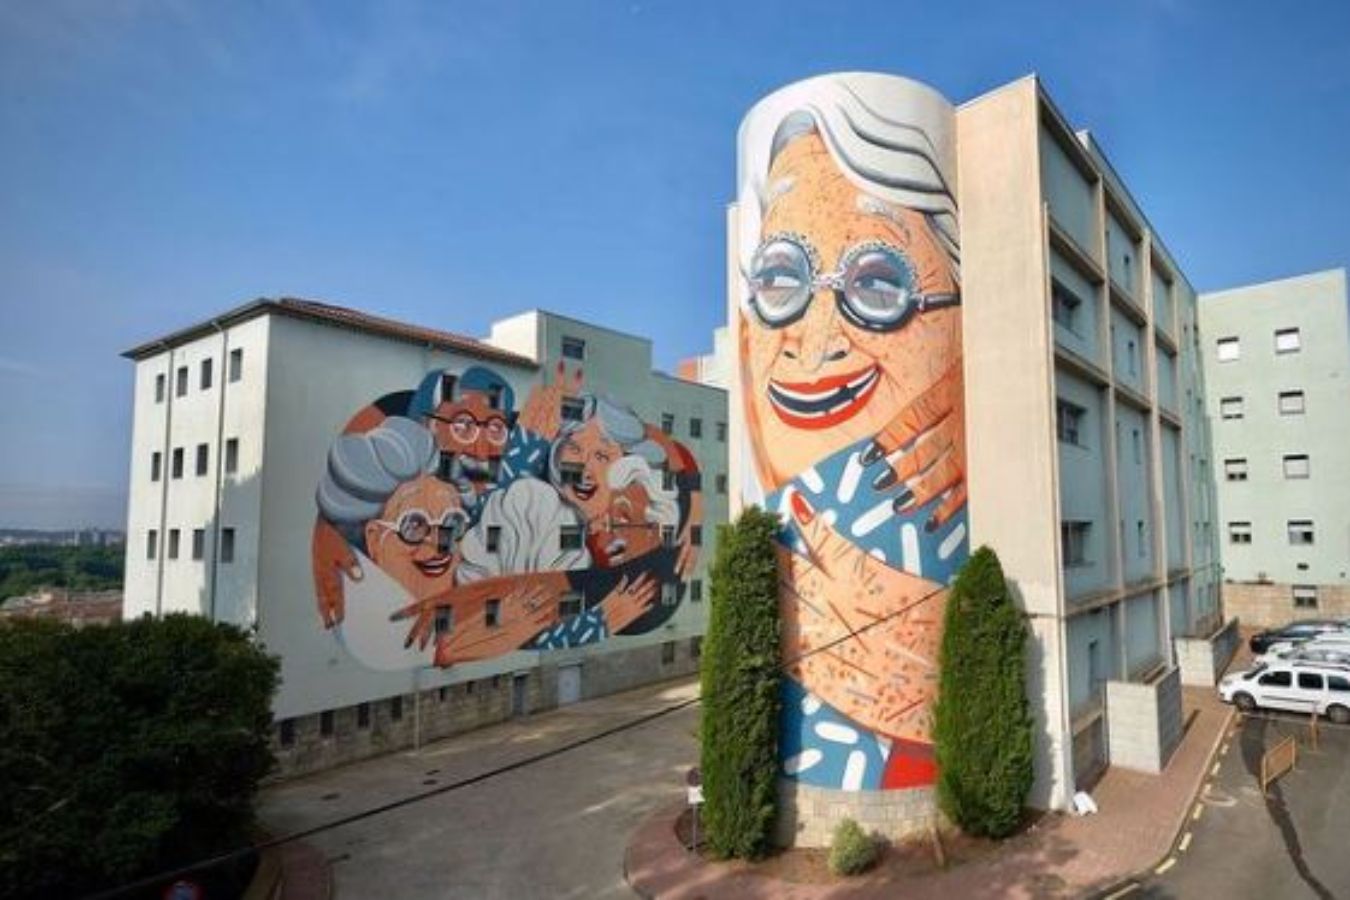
<point>523,612</point>
<point>922,451</point>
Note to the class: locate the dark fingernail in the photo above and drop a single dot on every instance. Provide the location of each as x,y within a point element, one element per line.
<point>884,480</point>
<point>903,500</point>
<point>931,525</point>
<point>873,453</point>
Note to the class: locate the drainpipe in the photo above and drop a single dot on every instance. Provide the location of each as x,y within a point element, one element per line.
<point>165,470</point>
<point>223,375</point>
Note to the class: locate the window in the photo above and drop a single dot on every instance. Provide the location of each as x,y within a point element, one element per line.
<point>1064,305</point>
<point>667,536</point>
<point>1310,681</point>
<point>696,591</point>
<point>494,539</point>
<point>722,432</point>
<point>236,364</point>
<point>569,537</point>
<point>569,473</point>
<point>668,653</point>
<point>492,613</point>
<point>1338,683</point>
<point>1139,538</point>
<point>1296,465</point>
<point>667,423</point>
<point>570,605</point>
<point>1069,422</point>
<point>177,462</point>
<point>151,544</point>
<point>1305,596</point>
<point>1239,532</point>
<point>326,723</point>
<point>1138,446</point>
<point>1300,532</point>
<point>173,543</point>
<point>494,397</point>
<point>198,543</point>
<point>696,535</point>
<point>286,732</point>
<point>1276,679</point>
<point>721,484</point>
<point>1235,469</point>
<point>203,458</point>
<point>1230,407</point>
<point>1229,349</point>
<point>231,456</point>
<point>1291,403</point>
<point>573,348</point>
<point>206,375</point>
<point>396,708</point>
<point>695,648</point>
<point>363,715</point>
<point>444,620</point>
<point>1073,536</point>
<point>670,596</point>
<point>156,463</point>
<point>227,545</point>
<point>159,388</point>
<point>573,409</point>
<point>696,428</point>
<point>180,385</point>
<point>1129,358</point>
<point>1287,340</point>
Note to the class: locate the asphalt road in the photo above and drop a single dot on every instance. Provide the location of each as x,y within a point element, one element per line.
<point>1293,843</point>
<point>555,829</point>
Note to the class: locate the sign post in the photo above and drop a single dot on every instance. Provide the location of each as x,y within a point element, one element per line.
<point>694,794</point>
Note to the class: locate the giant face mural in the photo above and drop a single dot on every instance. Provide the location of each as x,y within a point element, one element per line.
<point>848,338</point>
<point>452,528</point>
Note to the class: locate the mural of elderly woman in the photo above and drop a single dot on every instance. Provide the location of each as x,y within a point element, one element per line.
<point>848,337</point>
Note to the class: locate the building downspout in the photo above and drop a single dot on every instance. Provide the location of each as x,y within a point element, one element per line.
<point>220,464</point>
<point>165,470</point>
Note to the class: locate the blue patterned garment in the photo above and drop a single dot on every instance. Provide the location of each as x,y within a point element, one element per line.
<point>820,746</point>
<point>574,631</point>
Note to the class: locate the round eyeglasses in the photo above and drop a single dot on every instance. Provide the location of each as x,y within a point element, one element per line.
<point>465,428</point>
<point>414,526</point>
<point>875,285</point>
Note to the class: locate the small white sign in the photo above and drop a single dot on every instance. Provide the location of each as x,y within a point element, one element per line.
<point>695,795</point>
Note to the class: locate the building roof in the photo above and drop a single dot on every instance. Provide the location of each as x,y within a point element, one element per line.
<point>340,316</point>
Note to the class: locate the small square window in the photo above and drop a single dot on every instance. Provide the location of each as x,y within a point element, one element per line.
<point>173,543</point>
<point>1288,340</point>
<point>1229,349</point>
<point>569,537</point>
<point>181,382</point>
<point>151,544</point>
<point>1235,469</point>
<point>203,458</point>
<point>1230,408</point>
<point>696,428</point>
<point>573,348</point>
<point>363,715</point>
<point>227,545</point>
<point>1296,465</point>
<point>444,621</point>
<point>494,539</point>
<point>570,604</point>
<point>231,456</point>
<point>1064,305</point>
<point>396,708</point>
<point>696,591</point>
<point>159,388</point>
<point>667,536</point>
<point>1305,596</point>
<point>1073,536</point>
<point>1069,422</point>
<point>492,613</point>
<point>721,484</point>
<point>177,462</point>
<point>696,535</point>
<point>569,474</point>
<point>667,423</point>
<point>670,594</point>
<point>1291,403</point>
<point>668,653</point>
<point>326,723</point>
<point>1301,532</point>
<point>206,375</point>
<point>573,409</point>
<point>156,464</point>
<point>722,432</point>
<point>198,543</point>
<point>236,364</point>
<point>1239,532</point>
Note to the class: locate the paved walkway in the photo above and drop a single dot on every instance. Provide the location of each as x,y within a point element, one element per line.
<point>1063,856</point>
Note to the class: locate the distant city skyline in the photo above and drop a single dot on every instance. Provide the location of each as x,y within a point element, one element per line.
<point>164,161</point>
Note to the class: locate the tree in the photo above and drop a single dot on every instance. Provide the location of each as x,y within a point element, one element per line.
<point>126,749</point>
<point>740,682</point>
<point>983,727</point>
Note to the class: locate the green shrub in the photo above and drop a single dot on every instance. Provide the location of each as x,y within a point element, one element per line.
<point>852,851</point>
<point>740,685</point>
<point>126,749</point>
<point>982,720</point>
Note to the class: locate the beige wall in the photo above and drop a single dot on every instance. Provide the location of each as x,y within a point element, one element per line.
<point>1271,605</point>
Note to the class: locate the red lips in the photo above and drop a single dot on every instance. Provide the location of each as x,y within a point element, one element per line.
<point>825,402</point>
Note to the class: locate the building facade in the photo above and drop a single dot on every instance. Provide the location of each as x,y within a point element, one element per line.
<point>953,326</point>
<point>1277,360</point>
<point>432,532</point>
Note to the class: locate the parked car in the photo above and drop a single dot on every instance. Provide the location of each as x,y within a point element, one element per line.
<point>1333,652</point>
<point>1296,686</point>
<point>1294,631</point>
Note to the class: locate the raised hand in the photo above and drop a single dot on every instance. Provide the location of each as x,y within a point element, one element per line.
<point>331,558</point>
<point>628,601</point>
<point>542,412</point>
<point>687,558</point>
<point>469,602</point>
<point>923,449</point>
<point>524,612</point>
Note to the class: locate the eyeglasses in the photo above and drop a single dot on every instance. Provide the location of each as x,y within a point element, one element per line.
<point>414,526</point>
<point>465,428</point>
<point>875,285</point>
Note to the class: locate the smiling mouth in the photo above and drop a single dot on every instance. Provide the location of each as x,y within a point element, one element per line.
<point>584,490</point>
<point>616,548</point>
<point>823,403</point>
<point>434,567</point>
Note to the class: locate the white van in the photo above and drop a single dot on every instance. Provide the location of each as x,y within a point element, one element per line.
<point>1296,686</point>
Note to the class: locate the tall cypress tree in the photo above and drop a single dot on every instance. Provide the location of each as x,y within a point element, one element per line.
<point>983,726</point>
<point>740,684</point>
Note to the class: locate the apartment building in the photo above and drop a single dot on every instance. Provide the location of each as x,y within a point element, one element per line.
<point>971,294</point>
<point>432,531</point>
<point>1277,360</point>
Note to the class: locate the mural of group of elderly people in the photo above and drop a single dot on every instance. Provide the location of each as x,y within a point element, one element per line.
<point>848,341</point>
<point>453,527</point>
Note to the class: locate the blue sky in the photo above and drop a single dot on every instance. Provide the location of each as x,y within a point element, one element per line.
<point>450,163</point>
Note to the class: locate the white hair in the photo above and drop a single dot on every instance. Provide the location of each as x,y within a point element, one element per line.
<point>619,423</point>
<point>530,516</point>
<point>364,471</point>
<point>662,506</point>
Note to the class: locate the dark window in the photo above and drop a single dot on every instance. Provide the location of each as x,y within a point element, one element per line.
<point>1069,422</point>
<point>151,544</point>
<point>570,605</point>
<point>569,537</point>
<point>445,466</point>
<point>696,535</point>
<point>363,715</point>
<point>326,723</point>
<point>696,428</point>
<point>667,536</point>
<point>227,545</point>
<point>573,348</point>
<point>173,543</point>
<point>721,484</point>
<point>180,385</point>
<point>494,538</point>
<point>695,647</point>
<point>1305,596</point>
<point>468,687</point>
<point>573,409</point>
<point>396,708</point>
<point>1139,537</point>
<point>159,388</point>
<point>198,543</point>
<point>722,432</point>
<point>1239,532</point>
<point>1338,683</point>
<point>236,364</point>
<point>569,473</point>
<point>286,732</point>
<point>1276,679</point>
<point>1064,305</point>
<point>441,693</point>
<point>448,385</point>
<point>668,653</point>
<point>696,591</point>
<point>667,423</point>
<point>1300,532</point>
<point>177,462</point>
<point>1310,681</point>
<point>670,593</point>
<point>203,458</point>
<point>445,619</point>
<point>1074,538</point>
<point>156,463</point>
<point>231,456</point>
<point>492,613</point>
<point>206,375</point>
<point>1235,469</point>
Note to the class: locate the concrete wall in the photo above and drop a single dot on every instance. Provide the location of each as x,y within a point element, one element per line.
<point>1271,605</point>
<point>808,815</point>
<point>1144,723</point>
<point>1135,493</point>
<point>1083,338</point>
<point>1127,352</point>
<point>1084,486</point>
<point>1068,192</point>
<point>1202,660</point>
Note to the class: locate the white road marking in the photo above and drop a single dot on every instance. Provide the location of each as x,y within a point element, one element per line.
<point>1185,842</point>
<point>1171,861</point>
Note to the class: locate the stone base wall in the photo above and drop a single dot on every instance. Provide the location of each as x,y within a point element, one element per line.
<point>393,723</point>
<point>1202,660</point>
<point>1144,721</point>
<point>807,815</point>
<point>1271,605</point>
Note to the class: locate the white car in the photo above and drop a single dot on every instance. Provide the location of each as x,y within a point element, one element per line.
<point>1333,651</point>
<point>1296,686</point>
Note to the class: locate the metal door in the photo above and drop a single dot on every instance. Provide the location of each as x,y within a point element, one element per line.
<point>569,684</point>
<point>518,695</point>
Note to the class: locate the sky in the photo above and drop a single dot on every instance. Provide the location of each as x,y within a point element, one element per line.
<point>452,163</point>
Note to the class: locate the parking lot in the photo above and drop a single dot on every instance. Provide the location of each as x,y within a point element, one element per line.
<point>1290,843</point>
